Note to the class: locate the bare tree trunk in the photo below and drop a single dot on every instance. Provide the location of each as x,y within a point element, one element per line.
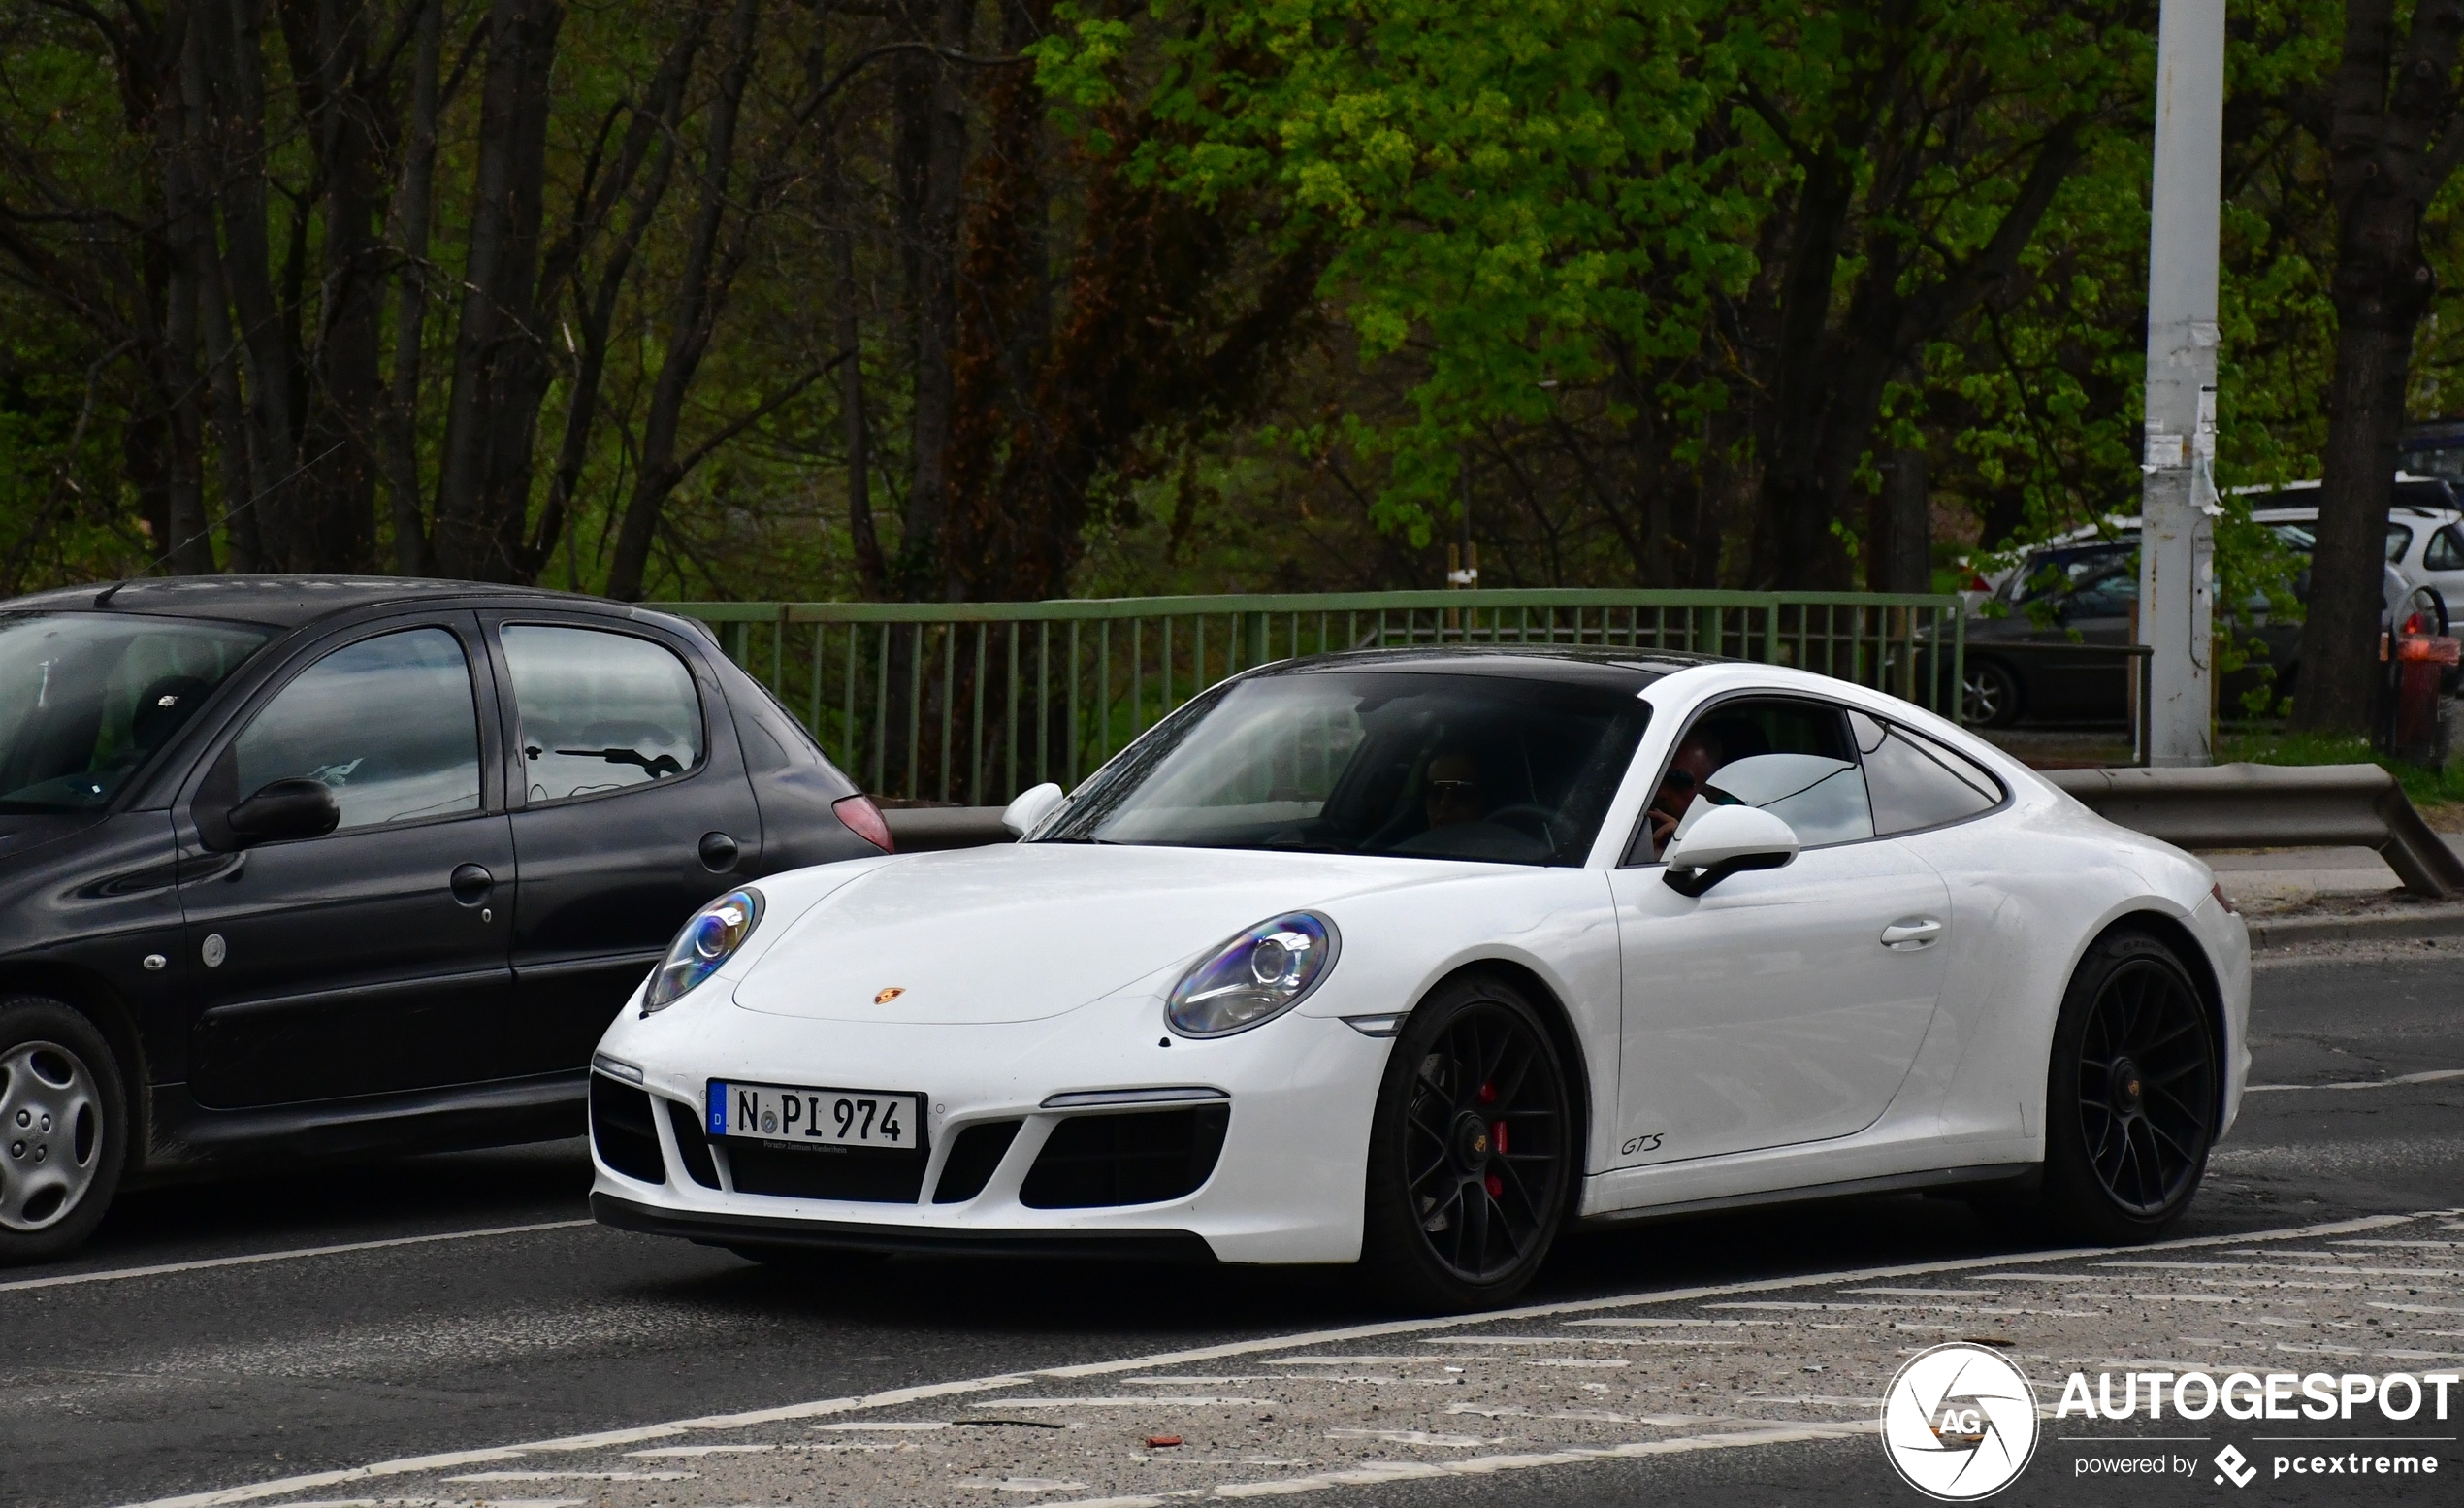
<point>186,551</point>
<point>1899,537</point>
<point>412,210</point>
<point>234,52</point>
<point>862,533</point>
<point>652,129</point>
<point>482,492</point>
<point>2395,141</point>
<point>934,143</point>
<point>701,292</point>
<point>2340,674</point>
<point>343,438</point>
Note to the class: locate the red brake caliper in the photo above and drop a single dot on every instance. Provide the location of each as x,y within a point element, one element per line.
<point>1497,1142</point>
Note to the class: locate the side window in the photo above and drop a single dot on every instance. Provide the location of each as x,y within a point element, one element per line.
<point>1918,784</point>
<point>2445,551</point>
<point>600,711</point>
<point>2399,540</point>
<point>1791,759</point>
<point>387,723</point>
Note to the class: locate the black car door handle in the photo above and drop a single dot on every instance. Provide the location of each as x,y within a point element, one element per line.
<point>470,883</point>
<point>718,852</point>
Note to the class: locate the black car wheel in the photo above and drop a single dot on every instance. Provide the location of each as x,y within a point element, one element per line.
<point>1990,694</point>
<point>1472,1151</point>
<point>2131,1096</point>
<point>63,1129</point>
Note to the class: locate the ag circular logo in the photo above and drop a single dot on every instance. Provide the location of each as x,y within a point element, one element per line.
<point>1958,1422</point>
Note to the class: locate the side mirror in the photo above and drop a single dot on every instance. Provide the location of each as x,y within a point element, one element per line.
<point>1031,807</point>
<point>1726,840</point>
<point>296,808</point>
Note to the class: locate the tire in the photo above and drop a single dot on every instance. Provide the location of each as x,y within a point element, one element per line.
<point>1990,697</point>
<point>2131,1096</point>
<point>1470,1230</point>
<point>64,1128</point>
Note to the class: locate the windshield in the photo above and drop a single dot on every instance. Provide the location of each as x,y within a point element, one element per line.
<point>86,697</point>
<point>1368,761</point>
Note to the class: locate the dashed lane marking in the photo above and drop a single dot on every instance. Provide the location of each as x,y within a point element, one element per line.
<point>119,1274</point>
<point>1489,1465</point>
<point>643,1434</point>
<point>2433,1076</point>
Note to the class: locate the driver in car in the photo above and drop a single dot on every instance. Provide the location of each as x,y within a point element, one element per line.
<point>1697,757</point>
<point>1453,795</point>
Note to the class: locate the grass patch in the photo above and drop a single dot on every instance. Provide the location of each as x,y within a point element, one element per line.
<point>2438,793</point>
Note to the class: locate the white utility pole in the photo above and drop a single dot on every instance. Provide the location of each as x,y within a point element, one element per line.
<point>2177,506</point>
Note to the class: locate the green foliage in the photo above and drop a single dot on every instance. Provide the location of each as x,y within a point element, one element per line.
<point>2426,787</point>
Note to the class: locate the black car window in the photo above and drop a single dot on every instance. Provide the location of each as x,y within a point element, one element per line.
<point>87,697</point>
<point>2108,592</point>
<point>1917,782</point>
<point>600,711</point>
<point>387,723</point>
<point>2061,574</point>
<point>2399,540</point>
<point>2445,551</point>
<point>1417,764</point>
<point>1791,759</point>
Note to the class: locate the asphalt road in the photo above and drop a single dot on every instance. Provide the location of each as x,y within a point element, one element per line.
<point>134,1387</point>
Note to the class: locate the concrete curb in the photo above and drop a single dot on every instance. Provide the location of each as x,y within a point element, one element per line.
<point>2410,925</point>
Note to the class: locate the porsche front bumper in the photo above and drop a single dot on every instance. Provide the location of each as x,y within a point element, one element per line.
<point>1292,1099</point>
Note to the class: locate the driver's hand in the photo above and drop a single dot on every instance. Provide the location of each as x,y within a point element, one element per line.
<point>1663,825</point>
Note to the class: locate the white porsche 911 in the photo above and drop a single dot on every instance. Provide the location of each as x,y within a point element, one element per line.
<point>1415,958</point>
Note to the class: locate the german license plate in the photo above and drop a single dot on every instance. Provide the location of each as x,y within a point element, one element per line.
<point>829,1117</point>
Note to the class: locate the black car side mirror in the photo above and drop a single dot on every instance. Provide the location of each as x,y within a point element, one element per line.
<point>294,807</point>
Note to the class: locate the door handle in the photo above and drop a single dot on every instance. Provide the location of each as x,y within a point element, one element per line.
<point>471,884</point>
<point>1909,933</point>
<point>718,852</point>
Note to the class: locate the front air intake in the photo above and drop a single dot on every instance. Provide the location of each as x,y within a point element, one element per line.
<point>1145,1158</point>
<point>622,1130</point>
<point>786,1170</point>
<point>693,1144</point>
<point>973,1157</point>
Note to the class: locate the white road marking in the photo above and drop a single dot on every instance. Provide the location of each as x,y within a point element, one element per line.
<point>642,1434</point>
<point>672,1451</point>
<point>2433,1077</point>
<point>118,1274</point>
<point>1489,1465</point>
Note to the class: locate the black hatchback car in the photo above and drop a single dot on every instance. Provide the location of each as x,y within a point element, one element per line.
<point>297,867</point>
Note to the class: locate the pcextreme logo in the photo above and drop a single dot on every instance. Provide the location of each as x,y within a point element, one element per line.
<point>1958,1422</point>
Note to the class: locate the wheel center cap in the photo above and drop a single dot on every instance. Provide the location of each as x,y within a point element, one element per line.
<point>2128,1091</point>
<point>1471,1143</point>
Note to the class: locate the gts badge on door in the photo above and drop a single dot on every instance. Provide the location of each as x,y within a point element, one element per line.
<point>1642,1145</point>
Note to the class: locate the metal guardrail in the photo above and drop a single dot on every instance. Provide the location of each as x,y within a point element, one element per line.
<point>2275,806</point>
<point>976,701</point>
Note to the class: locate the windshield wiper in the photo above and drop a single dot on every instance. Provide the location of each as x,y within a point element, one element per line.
<point>662,765</point>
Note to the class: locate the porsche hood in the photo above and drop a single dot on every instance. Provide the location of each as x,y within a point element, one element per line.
<point>1026,930</point>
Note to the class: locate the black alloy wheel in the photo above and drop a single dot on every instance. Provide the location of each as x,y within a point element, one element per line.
<point>1472,1153</point>
<point>63,1129</point>
<point>2133,1094</point>
<point>1990,694</point>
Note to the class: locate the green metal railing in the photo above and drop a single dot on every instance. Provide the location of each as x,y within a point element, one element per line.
<point>974,702</point>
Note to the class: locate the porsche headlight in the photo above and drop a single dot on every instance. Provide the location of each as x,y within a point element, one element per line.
<point>1260,974</point>
<point>707,941</point>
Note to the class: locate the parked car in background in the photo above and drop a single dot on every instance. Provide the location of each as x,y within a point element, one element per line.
<point>2043,645</point>
<point>294,866</point>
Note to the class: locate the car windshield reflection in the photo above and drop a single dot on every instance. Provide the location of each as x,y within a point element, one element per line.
<point>1495,768</point>
<point>87,697</point>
